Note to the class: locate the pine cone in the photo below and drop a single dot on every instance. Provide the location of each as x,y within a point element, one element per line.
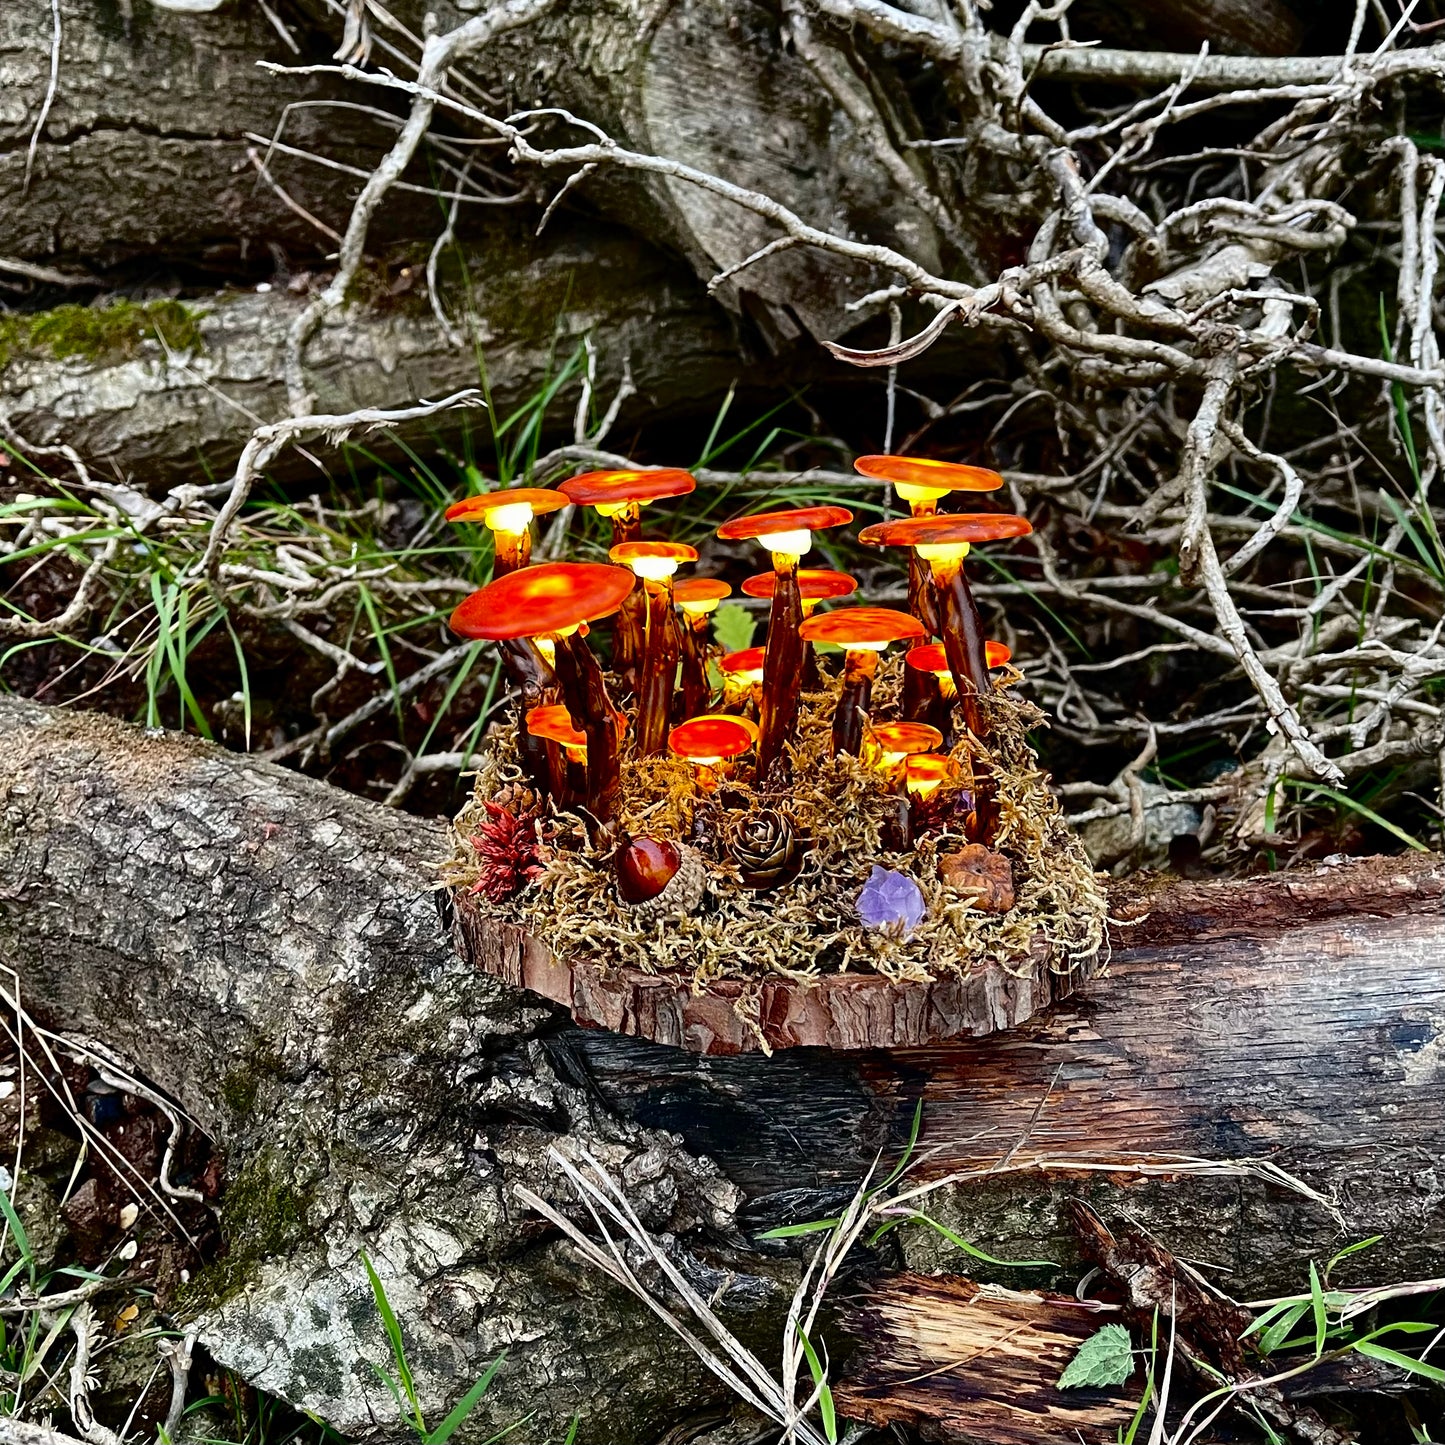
<point>518,799</point>
<point>767,848</point>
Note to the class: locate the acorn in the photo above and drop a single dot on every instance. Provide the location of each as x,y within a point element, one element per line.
<point>657,877</point>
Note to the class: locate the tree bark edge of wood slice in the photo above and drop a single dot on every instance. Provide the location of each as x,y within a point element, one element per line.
<point>843,1011</point>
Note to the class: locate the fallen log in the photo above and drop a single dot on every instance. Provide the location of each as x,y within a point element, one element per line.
<point>1258,1075</point>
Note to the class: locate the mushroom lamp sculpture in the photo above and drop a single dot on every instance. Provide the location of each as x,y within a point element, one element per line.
<point>815,585</point>
<point>709,740</point>
<point>552,601</point>
<point>863,632</point>
<point>742,673</point>
<point>508,515</point>
<point>653,563</point>
<point>943,542</point>
<point>787,536</point>
<point>696,598</point>
<point>923,483</point>
<point>620,497</point>
<point>928,684</point>
<point>897,741</point>
<point>925,773</point>
<point>553,724</point>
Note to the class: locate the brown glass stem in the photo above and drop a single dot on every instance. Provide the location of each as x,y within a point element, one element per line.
<point>782,668</point>
<point>851,715</point>
<point>511,551</point>
<point>584,692</point>
<point>696,692</point>
<point>531,678</point>
<point>659,669</point>
<point>963,642</point>
<point>629,625</point>
<point>920,695</point>
<point>921,600</point>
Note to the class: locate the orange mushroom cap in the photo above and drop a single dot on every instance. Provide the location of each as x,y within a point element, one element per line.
<point>815,584</point>
<point>553,722</point>
<point>906,737</point>
<point>800,519</point>
<point>475,509</point>
<point>931,657</point>
<point>538,601</point>
<point>945,529</point>
<point>855,626</point>
<point>599,488</point>
<point>925,771</point>
<point>749,659</point>
<point>700,589</point>
<point>713,735</point>
<point>628,552</point>
<point>925,472</point>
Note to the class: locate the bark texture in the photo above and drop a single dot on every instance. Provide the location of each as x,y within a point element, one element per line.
<point>268,950</point>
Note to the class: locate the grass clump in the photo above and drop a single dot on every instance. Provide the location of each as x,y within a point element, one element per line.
<point>114,332</point>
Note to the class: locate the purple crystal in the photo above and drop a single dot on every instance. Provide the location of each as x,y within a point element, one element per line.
<point>891,900</point>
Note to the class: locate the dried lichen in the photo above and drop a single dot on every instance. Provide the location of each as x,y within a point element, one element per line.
<point>809,926</point>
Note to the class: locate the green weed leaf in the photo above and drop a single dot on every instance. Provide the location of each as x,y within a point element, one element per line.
<point>733,627</point>
<point>1105,1358</point>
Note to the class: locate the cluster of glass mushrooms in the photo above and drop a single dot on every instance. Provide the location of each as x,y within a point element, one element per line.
<point>572,730</point>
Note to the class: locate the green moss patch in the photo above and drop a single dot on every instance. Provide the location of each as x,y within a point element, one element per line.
<point>114,332</point>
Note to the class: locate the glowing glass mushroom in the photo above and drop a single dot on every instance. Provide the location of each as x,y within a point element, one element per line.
<point>943,542</point>
<point>742,674</point>
<point>654,563</point>
<point>863,632</point>
<point>787,536</point>
<point>896,741</point>
<point>709,740</point>
<point>815,585</point>
<point>553,600</point>
<point>620,496</point>
<point>922,483</point>
<point>925,773</point>
<point>508,515</point>
<point>696,598</point>
<point>928,684</point>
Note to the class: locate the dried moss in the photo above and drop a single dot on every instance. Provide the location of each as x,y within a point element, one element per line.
<point>114,332</point>
<point>810,926</point>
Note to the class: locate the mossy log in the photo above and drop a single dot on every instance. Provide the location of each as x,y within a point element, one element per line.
<point>272,952</point>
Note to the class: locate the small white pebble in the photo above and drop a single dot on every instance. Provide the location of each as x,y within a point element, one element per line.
<point>129,1214</point>
<point>128,1249</point>
<point>185,1276</point>
<point>262,287</point>
<point>7,1087</point>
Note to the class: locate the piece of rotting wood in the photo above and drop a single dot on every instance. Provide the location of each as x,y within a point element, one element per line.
<point>838,1011</point>
<point>960,1360</point>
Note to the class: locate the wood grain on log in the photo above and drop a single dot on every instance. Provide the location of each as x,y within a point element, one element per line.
<point>839,1011</point>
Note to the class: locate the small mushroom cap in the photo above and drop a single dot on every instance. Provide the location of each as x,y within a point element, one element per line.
<point>700,589</point>
<point>815,584</point>
<point>475,509</point>
<point>713,735</point>
<point>906,737</point>
<point>932,658</point>
<point>749,659</point>
<point>538,601</point>
<point>945,529</point>
<point>925,472</point>
<point>594,488</point>
<point>857,626</point>
<point>930,769</point>
<point>800,519</point>
<point>553,722</point>
<point>628,552</point>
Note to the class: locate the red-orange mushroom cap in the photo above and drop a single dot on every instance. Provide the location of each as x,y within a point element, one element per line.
<point>509,510</point>
<point>553,722</point>
<point>897,739</point>
<point>921,479</point>
<point>542,601</point>
<point>926,771</point>
<point>613,490</point>
<point>946,529</point>
<point>653,561</point>
<point>712,737</point>
<point>861,627</point>
<point>696,595</point>
<point>932,658</point>
<point>787,533</point>
<point>815,584</point>
<point>748,660</point>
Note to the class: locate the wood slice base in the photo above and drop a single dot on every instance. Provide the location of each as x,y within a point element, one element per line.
<point>839,1011</point>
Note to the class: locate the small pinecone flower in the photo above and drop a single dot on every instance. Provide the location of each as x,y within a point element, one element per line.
<point>518,799</point>
<point>767,849</point>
